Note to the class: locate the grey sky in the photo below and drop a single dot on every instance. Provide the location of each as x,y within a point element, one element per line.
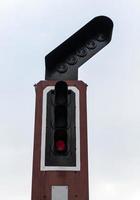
<point>31,29</point>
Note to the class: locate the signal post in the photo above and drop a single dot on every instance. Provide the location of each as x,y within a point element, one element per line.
<point>60,159</point>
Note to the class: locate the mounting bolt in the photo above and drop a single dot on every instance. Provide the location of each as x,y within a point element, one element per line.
<point>81,52</point>
<point>62,68</point>
<point>71,60</point>
<point>91,44</point>
<point>100,37</point>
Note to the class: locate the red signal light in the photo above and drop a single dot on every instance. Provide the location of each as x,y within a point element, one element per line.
<point>60,141</point>
<point>60,146</point>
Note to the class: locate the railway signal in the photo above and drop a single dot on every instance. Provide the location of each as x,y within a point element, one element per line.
<point>60,163</point>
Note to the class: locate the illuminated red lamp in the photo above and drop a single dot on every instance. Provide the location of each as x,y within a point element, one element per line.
<point>60,146</point>
<point>60,141</point>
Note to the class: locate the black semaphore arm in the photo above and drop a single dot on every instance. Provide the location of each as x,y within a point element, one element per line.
<point>63,62</point>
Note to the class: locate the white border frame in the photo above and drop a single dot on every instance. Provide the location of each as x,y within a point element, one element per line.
<point>43,167</point>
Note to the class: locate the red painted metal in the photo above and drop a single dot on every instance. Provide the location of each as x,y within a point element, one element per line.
<point>77,181</point>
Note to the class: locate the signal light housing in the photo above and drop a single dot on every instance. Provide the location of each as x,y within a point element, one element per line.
<point>60,134</point>
<point>60,117</point>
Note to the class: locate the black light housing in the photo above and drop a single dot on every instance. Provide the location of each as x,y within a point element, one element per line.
<point>60,145</point>
<point>60,115</point>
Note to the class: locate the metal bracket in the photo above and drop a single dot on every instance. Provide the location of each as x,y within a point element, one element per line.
<point>63,62</point>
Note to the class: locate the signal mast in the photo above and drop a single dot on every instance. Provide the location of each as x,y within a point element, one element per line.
<point>60,157</point>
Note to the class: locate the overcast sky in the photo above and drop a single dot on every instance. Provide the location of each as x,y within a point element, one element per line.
<point>31,29</point>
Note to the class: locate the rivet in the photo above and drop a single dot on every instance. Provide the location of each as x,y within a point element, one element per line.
<point>91,44</point>
<point>62,68</point>
<point>81,52</point>
<point>100,37</point>
<point>71,60</point>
